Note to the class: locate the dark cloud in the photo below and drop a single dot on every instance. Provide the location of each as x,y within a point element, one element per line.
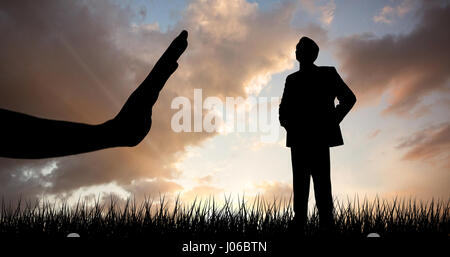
<point>51,63</point>
<point>407,66</point>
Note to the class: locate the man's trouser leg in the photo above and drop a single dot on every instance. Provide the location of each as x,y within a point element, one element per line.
<point>322,186</point>
<point>301,181</point>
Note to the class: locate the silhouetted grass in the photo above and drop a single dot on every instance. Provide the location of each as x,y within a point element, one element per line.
<point>257,219</point>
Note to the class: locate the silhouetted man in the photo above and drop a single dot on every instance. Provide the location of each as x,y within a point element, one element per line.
<point>311,119</point>
<point>25,136</point>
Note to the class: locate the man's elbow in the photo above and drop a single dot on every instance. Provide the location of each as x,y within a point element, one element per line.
<point>353,99</point>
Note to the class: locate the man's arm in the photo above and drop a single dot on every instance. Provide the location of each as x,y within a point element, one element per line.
<point>25,136</point>
<point>345,97</point>
<point>283,110</point>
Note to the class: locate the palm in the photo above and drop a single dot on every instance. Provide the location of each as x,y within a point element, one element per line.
<point>134,121</point>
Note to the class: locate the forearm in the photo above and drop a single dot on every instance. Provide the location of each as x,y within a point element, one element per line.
<point>25,136</point>
<point>344,107</point>
<point>282,111</point>
<point>282,116</point>
<point>346,97</point>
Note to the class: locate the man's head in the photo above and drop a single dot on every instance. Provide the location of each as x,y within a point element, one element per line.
<point>307,51</point>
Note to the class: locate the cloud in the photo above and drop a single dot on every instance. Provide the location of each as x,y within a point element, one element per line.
<point>430,144</point>
<point>230,57</point>
<point>274,189</point>
<point>203,192</point>
<point>389,13</point>
<point>406,67</point>
<point>324,10</point>
<point>206,179</point>
<point>152,188</point>
<point>80,60</point>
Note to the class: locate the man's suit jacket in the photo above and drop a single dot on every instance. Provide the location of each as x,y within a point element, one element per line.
<point>308,111</point>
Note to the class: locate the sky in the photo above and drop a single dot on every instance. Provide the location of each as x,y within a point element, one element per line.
<point>80,60</point>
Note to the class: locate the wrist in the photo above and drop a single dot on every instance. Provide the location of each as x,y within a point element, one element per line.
<point>106,134</point>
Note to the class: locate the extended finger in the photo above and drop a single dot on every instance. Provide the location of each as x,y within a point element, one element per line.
<point>167,64</point>
<point>176,48</point>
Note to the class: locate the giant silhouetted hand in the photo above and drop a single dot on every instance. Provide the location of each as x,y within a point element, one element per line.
<point>25,136</point>
<point>133,122</point>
